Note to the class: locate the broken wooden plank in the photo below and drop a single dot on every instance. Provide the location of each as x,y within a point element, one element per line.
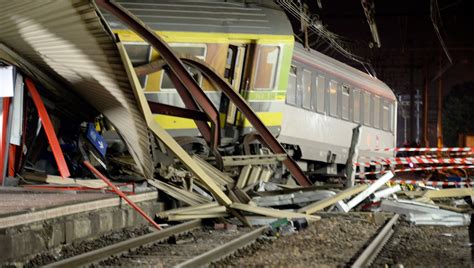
<point>243,177</point>
<point>165,137</point>
<point>220,177</point>
<point>286,190</point>
<point>455,209</point>
<point>270,212</point>
<point>243,196</point>
<point>445,193</point>
<point>320,205</point>
<point>187,197</point>
<point>195,212</point>
<point>189,208</point>
<point>216,209</point>
<point>196,216</point>
<point>51,179</point>
<point>297,198</point>
<point>266,175</point>
<point>254,175</point>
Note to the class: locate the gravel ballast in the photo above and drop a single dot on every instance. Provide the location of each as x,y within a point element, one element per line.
<point>329,242</point>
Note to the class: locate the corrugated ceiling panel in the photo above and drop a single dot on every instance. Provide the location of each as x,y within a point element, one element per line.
<point>67,39</point>
<point>220,16</point>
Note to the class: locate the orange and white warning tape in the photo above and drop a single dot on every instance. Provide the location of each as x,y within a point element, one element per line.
<point>429,154</point>
<point>414,149</point>
<point>430,183</point>
<point>433,154</point>
<point>417,169</point>
<point>416,160</point>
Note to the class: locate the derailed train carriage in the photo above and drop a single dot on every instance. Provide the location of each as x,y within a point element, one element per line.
<point>311,102</point>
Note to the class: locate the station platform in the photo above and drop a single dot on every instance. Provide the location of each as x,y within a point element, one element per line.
<point>32,221</point>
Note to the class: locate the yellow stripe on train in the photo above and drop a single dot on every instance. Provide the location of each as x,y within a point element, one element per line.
<point>195,37</point>
<point>270,119</point>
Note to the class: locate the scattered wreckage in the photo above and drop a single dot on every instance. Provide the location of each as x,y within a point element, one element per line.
<point>102,89</point>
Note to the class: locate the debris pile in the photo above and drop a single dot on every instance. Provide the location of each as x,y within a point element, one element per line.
<point>61,120</point>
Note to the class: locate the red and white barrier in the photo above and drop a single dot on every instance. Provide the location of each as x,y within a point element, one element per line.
<point>416,160</point>
<point>415,149</point>
<point>417,169</point>
<point>430,183</point>
<point>451,154</point>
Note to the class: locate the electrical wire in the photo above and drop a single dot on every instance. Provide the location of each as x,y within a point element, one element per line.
<point>436,19</point>
<point>334,40</point>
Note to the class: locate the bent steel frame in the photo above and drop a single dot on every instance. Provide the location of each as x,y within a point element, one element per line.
<point>176,67</point>
<point>181,76</point>
<point>269,140</point>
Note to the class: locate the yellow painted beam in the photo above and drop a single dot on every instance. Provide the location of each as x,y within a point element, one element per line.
<point>445,193</point>
<point>165,137</point>
<point>322,204</point>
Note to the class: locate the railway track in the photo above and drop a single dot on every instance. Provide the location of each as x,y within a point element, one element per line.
<point>369,254</point>
<point>185,245</point>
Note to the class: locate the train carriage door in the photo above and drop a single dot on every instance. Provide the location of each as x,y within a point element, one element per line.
<point>233,73</point>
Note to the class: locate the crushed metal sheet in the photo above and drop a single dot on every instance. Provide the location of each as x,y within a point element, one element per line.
<point>425,214</point>
<point>292,198</point>
<point>68,41</point>
<point>166,138</point>
<point>322,204</point>
<point>270,212</point>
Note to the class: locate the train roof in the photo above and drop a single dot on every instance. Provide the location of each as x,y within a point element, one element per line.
<point>218,16</point>
<point>334,67</point>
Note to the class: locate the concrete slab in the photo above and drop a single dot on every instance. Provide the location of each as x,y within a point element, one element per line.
<point>44,221</point>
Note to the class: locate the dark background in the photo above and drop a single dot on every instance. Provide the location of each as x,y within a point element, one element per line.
<point>410,57</point>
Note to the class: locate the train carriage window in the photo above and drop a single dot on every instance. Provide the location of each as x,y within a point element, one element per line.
<point>345,101</point>
<point>139,54</point>
<point>306,89</point>
<point>320,93</point>
<point>386,116</point>
<point>376,111</point>
<point>196,50</point>
<point>291,91</point>
<point>333,98</point>
<point>356,111</point>
<point>367,109</point>
<point>266,68</point>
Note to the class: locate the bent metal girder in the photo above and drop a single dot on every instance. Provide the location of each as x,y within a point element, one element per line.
<point>191,105</point>
<point>263,133</point>
<point>187,98</point>
<point>176,67</point>
<point>269,140</point>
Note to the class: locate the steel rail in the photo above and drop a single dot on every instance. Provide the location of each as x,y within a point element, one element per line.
<point>176,66</point>
<point>373,249</point>
<point>106,252</point>
<point>224,250</point>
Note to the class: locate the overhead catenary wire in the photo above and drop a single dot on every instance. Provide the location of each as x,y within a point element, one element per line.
<point>435,16</point>
<point>331,38</point>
